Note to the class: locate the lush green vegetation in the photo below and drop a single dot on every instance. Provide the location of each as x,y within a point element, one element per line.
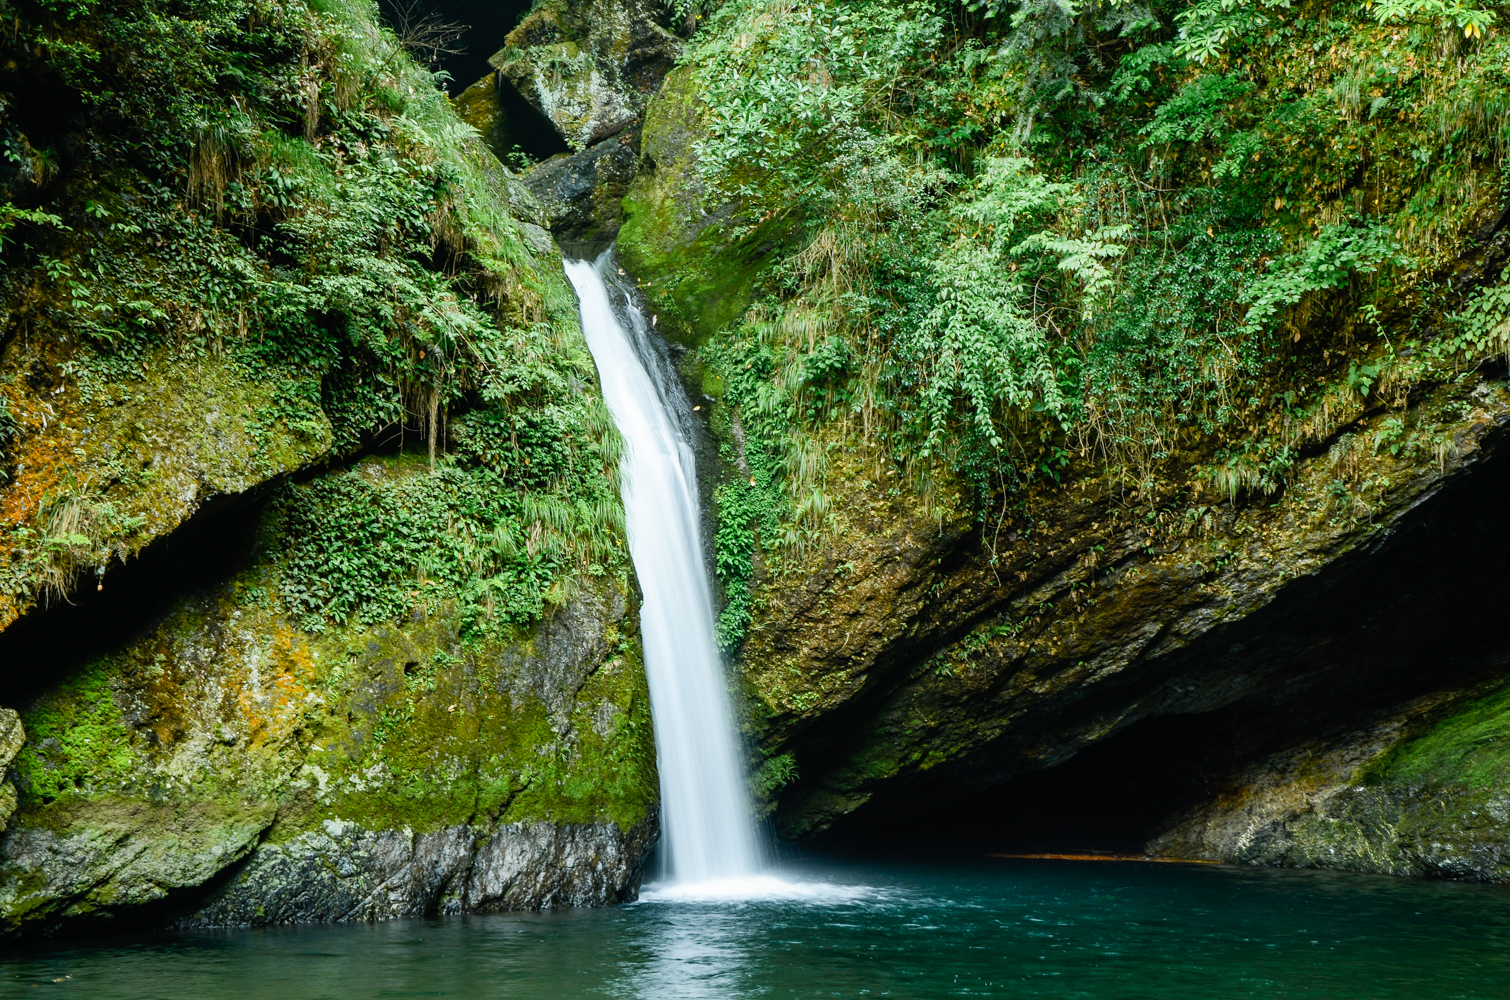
<point>271,193</point>
<point>1044,239</point>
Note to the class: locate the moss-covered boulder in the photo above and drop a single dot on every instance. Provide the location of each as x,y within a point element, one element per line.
<point>1423,790</point>
<point>12,737</point>
<point>590,65</point>
<point>696,263</point>
<point>236,727</point>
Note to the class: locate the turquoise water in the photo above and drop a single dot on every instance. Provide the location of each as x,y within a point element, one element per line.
<point>986,928</point>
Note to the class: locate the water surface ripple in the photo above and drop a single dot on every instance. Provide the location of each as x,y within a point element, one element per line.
<point>987,928</point>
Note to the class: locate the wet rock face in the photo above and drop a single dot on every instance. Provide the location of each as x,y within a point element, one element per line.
<point>12,736</point>
<point>697,267</point>
<point>344,872</point>
<point>901,670</point>
<point>354,773</point>
<point>120,855</point>
<point>590,66</point>
<point>1420,790</point>
<point>581,194</point>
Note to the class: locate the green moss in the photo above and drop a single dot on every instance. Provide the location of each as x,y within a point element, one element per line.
<point>77,739</point>
<point>1469,745</point>
<point>428,743</point>
<point>696,271</point>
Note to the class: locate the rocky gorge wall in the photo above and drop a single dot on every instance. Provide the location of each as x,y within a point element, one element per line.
<point>316,602</point>
<point>388,770</point>
<point>916,656</point>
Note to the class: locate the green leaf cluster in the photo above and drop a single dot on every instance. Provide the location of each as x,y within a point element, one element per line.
<point>275,186</point>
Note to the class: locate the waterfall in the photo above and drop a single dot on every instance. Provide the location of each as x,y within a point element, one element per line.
<point>705,808</point>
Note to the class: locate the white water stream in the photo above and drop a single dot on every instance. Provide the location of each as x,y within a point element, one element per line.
<point>705,806</point>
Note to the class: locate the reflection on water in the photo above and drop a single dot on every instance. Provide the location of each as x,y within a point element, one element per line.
<point>997,928</point>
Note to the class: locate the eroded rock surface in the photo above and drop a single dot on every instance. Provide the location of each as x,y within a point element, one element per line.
<point>12,736</point>
<point>390,761</point>
<point>900,666</point>
<point>344,872</point>
<point>1420,791</point>
<point>581,194</point>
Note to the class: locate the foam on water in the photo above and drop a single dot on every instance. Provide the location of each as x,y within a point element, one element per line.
<point>754,889</point>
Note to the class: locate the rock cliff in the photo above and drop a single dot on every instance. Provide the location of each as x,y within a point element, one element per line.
<point>316,603</point>
<point>1088,408</point>
<point>912,642</point>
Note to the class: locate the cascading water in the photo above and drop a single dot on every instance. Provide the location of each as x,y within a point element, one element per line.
<point>705,808</point>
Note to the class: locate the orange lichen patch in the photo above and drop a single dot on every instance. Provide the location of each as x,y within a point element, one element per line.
<point>161,695</point>
<point>44,456</point>
<point>291,655</point>
<point>272,693</point>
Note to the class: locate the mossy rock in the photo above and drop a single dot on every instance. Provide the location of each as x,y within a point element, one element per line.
<point>695,264</point>
<point>244,720</point>
<point>225,726</point>
<point>590,65</point>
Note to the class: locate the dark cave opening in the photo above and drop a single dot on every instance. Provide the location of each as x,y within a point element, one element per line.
<point>521,130</point>
<point>483,25</point>
<point>1109,798</point>
<point>59,636</point>
<point>1419,612</point>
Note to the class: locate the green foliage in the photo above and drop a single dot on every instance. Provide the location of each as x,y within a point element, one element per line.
<point>529,497</point>
<point>10,216</point>
<point>1197,111</point>
<point>80,730</point>
<point>275,184</point>
<point>748,507</point>
<point>1338,255</point>
<point>1210,29</point>
<point>774,774</point>
<point>1145,237</point>
<point>774,122</point>
<point>1473,21</point>
<point>974,349</point>
<point>1482,327</point>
